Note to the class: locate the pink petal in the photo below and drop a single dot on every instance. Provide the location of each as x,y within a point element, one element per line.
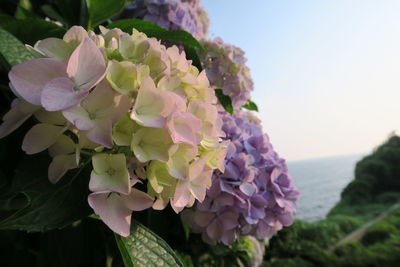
<point>40,137</point>
<point>60,165</point>
<point>152,105</point>
<point>196,168</point>
<point>176,208</point>
<point>29,78</point>
<point>182,194</point>
<point>112,210</point>
<point>101,97</point>
<point>75,35</point>
<point>138,200</point>
<point>118,183</point>
<point>183,127</point>
<point>102,133</point>
<point>79,117</point>
<point>60,94</point>
<point>55,48</point>
<point>18,114</point>
<point>86,66</point>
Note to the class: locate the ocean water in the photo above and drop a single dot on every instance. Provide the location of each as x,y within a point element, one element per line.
<point>320,182</point>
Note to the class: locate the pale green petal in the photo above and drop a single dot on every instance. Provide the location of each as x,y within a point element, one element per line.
<point>123,131</point>
<point>133,47</point>
<point>151,144</point>
<point>158,176</point>
<point>101,162</point>
<point>126,77</point>
<point>178,164</point>
<point>117,161</point>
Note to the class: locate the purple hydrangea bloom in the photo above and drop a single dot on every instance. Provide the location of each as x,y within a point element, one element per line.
<point>185,15</point>
<point>254,196</point>
<point>226,69</point>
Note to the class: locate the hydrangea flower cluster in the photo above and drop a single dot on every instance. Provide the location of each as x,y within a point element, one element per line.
<point>140,111</point>
<point>185,15</point>
<point>254,196</point>
<point>226,69</point>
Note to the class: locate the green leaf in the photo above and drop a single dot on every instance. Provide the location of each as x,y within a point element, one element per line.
<point>250,105</point>
<point>47,206</point>
<point>225,101</point>
<point>73,12</point>
<point>53,14</point>
<point>152,30</point>
<point>12,50</point>
<point>144,248</point>
<point>102,10</point>
<point>191,54</point>
<point>29,31</point>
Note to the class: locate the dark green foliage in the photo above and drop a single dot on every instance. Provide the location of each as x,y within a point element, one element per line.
<point>37,205</point>
<point>378,233</point>
<point>373,191</point>
<point>101,10</point>
<point>250,105</point>
<point>225,101</point>
<point>381,170</point>
<point>293,262</point>
<point>87,243</point>
<point>30,30</point>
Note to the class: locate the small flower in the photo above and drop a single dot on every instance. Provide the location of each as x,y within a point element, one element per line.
<point>109,173</point>
<point>115,210</point>
<point>20,111</point>
<point>126,77</point>
<point>56,85</point>
<point>153,106</point>
<point>97,114</point>
<point>63,152</point>
<point>226,69</point>
<point>151,144</point>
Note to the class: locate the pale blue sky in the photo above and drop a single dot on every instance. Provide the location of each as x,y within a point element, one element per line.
<point>326,72</point>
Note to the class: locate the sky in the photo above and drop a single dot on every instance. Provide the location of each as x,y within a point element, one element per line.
<point>326,73</point>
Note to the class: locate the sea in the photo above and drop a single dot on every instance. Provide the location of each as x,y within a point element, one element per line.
<point>320,182</point>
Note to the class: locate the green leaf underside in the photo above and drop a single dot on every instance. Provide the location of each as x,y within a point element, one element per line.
<point>145,248</point>
<point>250,105</point>
<point>48,206</point>
<point>224,100</point>
<point>102,10</point>
<point>12,50</point>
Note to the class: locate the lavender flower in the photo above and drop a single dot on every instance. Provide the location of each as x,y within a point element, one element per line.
<point>185,15</point>
<point>254,196</point>
<point>226,68</point>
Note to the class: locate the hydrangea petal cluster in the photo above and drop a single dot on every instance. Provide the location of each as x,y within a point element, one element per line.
<point>253,196</point>
<point>226,69</point>
<point>140,111</point>
<point>185,15</point>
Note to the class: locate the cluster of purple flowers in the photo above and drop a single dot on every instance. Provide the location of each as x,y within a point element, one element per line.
<point>226,69</point>
<point>254,196</point>
<point>185,15</point>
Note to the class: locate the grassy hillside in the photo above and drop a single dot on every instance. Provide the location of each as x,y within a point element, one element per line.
<point>375,188</point>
